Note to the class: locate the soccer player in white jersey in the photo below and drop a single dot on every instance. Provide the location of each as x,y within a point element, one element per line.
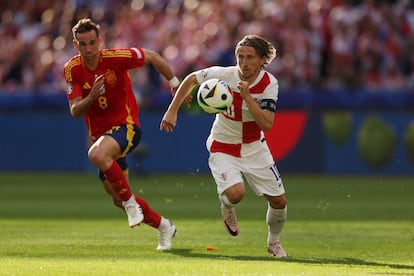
<point>236,142</point>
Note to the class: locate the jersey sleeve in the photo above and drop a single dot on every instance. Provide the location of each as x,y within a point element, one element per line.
<point>73,88</point>
<point>212,73</point>
<point>272,90</point>
<point>135,59</point>
<point>270,94</point>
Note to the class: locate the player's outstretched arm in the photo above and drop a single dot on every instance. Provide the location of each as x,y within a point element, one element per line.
<point>162,66</point>
<point>169,119</point>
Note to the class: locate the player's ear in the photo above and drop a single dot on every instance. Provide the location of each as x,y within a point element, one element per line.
<point>75,44</point>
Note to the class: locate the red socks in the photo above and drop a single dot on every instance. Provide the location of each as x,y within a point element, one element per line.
<point>119,183</point>
<point>151,217</point>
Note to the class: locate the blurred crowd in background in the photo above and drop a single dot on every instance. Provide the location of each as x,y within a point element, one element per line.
<point>321,44</point>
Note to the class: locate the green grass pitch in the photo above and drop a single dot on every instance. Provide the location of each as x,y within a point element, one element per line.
<point>65,224</point>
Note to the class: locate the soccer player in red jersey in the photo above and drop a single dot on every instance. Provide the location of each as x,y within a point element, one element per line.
<point>99,89</point>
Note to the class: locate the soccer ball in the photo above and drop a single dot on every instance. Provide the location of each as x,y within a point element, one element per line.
<point>214,96</point>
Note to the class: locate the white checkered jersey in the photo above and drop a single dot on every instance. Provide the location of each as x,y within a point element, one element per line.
<point>236,126</point>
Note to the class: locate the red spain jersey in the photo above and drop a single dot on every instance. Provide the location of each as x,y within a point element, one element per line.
<point>117,105</point>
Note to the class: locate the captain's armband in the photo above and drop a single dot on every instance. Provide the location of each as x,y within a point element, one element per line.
<point>268,104</point>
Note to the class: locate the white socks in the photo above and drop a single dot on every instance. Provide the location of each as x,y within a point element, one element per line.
<point>225,202</point>
<point>275,219</point>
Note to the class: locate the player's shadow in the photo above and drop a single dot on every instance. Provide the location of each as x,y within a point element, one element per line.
<point>185,252</point>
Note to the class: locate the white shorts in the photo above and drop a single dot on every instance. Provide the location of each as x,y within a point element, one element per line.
<point>257,166</point>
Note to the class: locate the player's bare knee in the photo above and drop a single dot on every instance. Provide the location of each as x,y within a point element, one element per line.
<point>94,155</point>
<point>235,195</point>
<point>277,202</point>
<point>100,159</point>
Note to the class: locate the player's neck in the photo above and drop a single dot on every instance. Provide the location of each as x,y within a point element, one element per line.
<point>91,62</point>
<point>92,65</point>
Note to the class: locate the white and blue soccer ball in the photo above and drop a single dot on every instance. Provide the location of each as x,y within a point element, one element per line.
<point>214,96</point>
